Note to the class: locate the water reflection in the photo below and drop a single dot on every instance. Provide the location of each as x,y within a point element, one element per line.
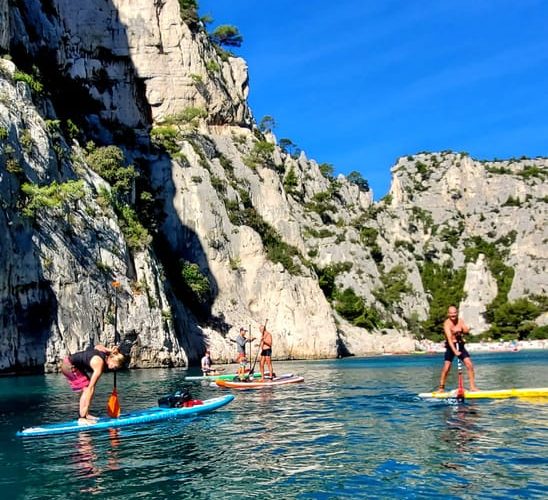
<point>354,429</point>
<point>265,396</point>
<point>84,456</point>
<point>462,426</point>
<point>92,458</point>
<point>115,441</point>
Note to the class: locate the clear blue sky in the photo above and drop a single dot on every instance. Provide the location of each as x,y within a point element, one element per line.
<point>359,83</point>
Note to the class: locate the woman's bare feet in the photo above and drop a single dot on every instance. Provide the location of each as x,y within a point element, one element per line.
<point>87,421</point>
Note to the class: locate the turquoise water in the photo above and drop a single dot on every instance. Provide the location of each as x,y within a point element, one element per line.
<point>354,429</point>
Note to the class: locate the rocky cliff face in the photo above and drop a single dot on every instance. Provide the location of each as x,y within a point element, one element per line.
<point>272,233</point>
<point>58,264</point>
<point>464,207</point>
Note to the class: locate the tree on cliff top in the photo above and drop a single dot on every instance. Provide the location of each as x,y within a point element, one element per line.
<point>189,13</point>
<point>226,35</point>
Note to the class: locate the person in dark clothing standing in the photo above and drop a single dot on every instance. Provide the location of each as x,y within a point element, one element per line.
<point>266,353</point>
<point>454,329</point>
<point>83,369</point>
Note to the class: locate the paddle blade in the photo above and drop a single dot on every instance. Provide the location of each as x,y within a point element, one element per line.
<point>113,405</point>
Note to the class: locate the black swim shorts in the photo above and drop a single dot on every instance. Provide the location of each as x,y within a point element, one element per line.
<point>450,355</point>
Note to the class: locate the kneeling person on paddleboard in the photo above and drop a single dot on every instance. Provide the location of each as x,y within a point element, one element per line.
<point>83,369</point>
<point>454,328</point>
<point>207,369</point>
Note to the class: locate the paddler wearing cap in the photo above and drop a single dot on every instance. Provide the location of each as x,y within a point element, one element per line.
<point>241,341</point>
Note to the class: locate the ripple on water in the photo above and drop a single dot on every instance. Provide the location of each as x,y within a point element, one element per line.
<point>355,429</point>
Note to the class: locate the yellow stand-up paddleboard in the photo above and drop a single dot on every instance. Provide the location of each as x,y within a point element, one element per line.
<point>539,392</point>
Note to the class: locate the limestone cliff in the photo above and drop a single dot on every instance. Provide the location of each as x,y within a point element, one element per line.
<point>266,235</point>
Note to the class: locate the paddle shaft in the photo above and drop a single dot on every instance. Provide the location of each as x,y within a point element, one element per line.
<point>113,404</point>
<point>250,342</point>
<point>258,350</point>
<point>115,325</point>
<point>460,389</point>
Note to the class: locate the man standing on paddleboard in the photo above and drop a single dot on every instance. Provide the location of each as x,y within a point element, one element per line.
<point>266,352</point>
<point>77,369</point>
<point>454,328</point>
<point>241,341</point>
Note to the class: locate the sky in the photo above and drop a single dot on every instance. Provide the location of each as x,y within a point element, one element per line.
<point>360,83</point>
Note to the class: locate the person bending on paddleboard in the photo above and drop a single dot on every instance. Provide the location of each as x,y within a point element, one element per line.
<point>454,329</point>
<point>266,352</point>
<point>83,369</point>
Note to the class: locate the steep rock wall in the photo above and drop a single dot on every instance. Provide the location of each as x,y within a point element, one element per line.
<point>261,224</point>
<point>57,266</point>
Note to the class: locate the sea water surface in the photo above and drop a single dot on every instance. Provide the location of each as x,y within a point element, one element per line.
<point>354,429</point>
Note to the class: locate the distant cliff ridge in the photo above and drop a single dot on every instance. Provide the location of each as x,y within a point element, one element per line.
<point>129,152</point>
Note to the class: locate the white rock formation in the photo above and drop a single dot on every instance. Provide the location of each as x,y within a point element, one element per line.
<point>480,289</point>
<point>265,228</point>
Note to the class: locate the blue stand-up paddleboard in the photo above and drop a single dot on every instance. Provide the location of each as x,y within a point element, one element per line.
<point>145,416</point>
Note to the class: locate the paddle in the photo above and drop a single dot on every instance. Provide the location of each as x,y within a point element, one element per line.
<point>113,404</point>
<point>250,342</point>
<point>460,389</point>
<point>252,369</point>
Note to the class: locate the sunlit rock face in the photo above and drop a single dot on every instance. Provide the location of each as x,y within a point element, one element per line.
<point>480,289</point>
<point>271,230</point>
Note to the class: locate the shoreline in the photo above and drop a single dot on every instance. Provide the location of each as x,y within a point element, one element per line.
<point>421,347</point>
<point>501,346</point>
